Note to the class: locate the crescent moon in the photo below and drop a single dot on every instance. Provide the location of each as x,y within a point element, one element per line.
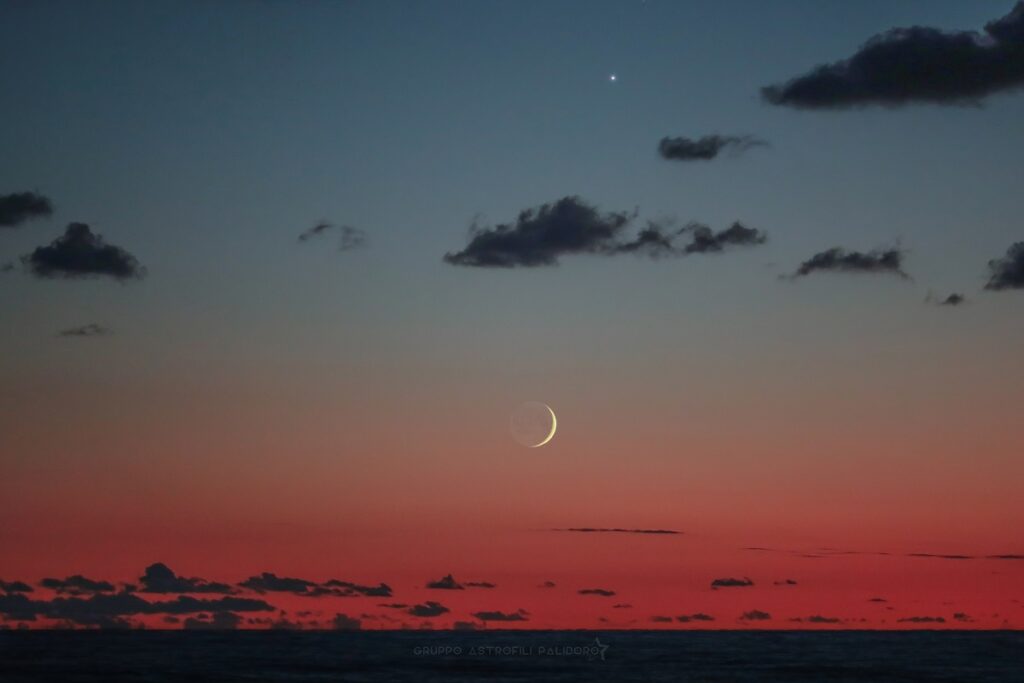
<point>554,428</point>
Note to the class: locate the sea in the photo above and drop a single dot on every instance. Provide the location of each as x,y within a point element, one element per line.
<point>555,656</point>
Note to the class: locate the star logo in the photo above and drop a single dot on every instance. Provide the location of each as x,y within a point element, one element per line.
<point>600,647</point>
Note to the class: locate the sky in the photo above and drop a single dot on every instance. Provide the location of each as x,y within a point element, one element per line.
<point>341,242</point>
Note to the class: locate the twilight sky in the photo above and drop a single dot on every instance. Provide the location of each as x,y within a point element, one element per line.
<point>257,402</point>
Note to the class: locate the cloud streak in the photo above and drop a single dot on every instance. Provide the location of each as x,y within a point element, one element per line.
<point>90,330</point>
<point>348,237</point>
<point>839,260</point>
<point>707,147</point>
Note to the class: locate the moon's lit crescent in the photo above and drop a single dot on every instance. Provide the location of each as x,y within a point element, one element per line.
<point>554,428</point>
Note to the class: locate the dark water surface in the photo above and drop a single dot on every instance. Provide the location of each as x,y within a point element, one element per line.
<point>740,657</point>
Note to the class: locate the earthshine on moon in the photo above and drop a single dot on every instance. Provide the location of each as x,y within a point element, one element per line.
<point>533,424</point>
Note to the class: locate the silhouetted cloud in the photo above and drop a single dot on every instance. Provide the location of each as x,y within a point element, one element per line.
<point>268,582</point>
<point>922,620</point>
<point>962,616</point>
<point>658,619</point>
<point>603,592</point>
<point>916,64</point>
<point>343,622</point>
<point>15,587</point>
<point>1007,272</point>
<point>622,605</point>
<point>941,557</point>
<point>447,583</point>
<point>90,330</point>
<point>705,240</point>
<point>101,607</point>
<point>818,619</point>
<point>840,260</point>
<point>19,207</point>
<point>158,578</point>
<point>349,237</point>
<point>548,584</point>
<point>393,605</point>
<point>705,148</point>
<point>518,615</point>
<point>786,582</point>
<point>429,609</point>
<point>607,530</point>
<point>219,621</point>
<point>877,600</point>
<point>698,616</point>
<point>381,590</point>
<point>540,236</point>
<point>954,299</point>
<point>755,615</point>
<point>466,626</point>
<point>731,583</point>
<point>77,585</point>
<point>81,253</point>
<point>480,584</point>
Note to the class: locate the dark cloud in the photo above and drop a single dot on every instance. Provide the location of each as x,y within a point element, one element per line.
<point>15,587</point>
<point>877,600</point>
<point>786,582</point>
<point>90,330</point>
<point>818,619</point>
<point>731,583</point>
<point>219,621</point>
<point>158,578</point>
<point>941,557</point>
<point>349,237</point>
<point>888,261</point>
<point>393,605</point>
<point>657,619</point>
<point>699,616</point>
<point>548,584</point>
<point>347,588</point>
<point>603,592</point>
<point>343,622</point>
<point>916,64</point>
<point>466,626</point>
<point>100,607</point>
<point>518,615</point>
<point>447,583</point>
<point>19,207</point>
<point>1007,272</point>
<point>268,582</point>
<point>954,299</point>
<point>622,605</point>
<point>755,615</point>
<point>540,236</point>
<point>705,240</point>
<point>81,253</point>
<point>615,530</point>
<point>429,609</point>
<point>922,620</point>
<point>480,584</point>
<point>707,147</point>
<point>962,616</point>
<point>77,585</point>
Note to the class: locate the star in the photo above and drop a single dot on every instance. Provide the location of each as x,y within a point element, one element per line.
<point>613,78</point>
